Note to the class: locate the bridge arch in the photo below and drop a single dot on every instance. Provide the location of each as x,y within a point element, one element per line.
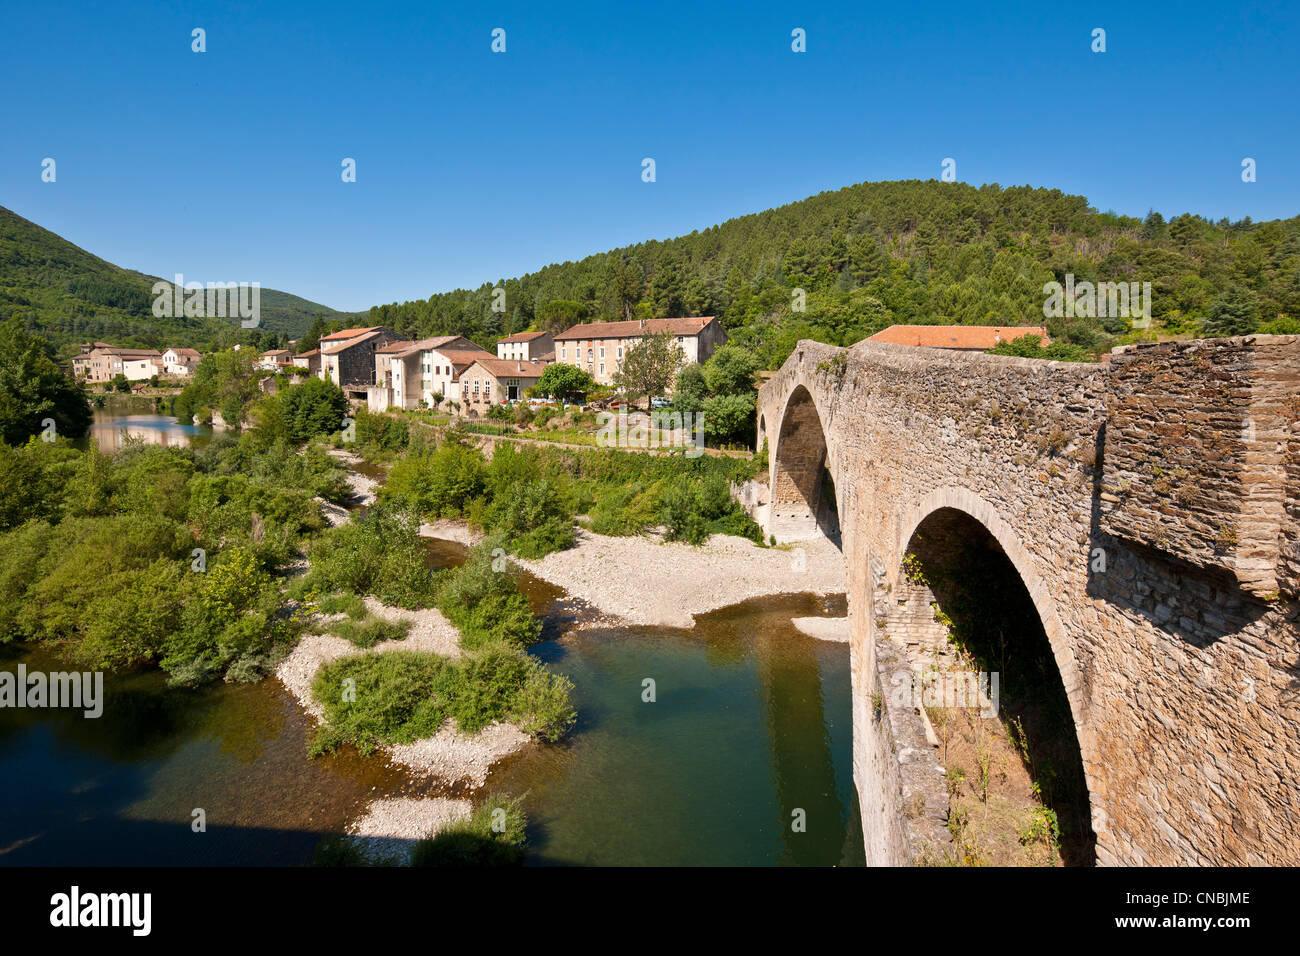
<point>804,497</point>
<point>953,526</point>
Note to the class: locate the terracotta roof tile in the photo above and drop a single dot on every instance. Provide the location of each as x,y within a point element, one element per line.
<point>973,337</point>
<point>633,328</point>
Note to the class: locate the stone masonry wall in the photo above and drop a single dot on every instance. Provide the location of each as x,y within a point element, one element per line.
<point>1182,683</point>
<point>1195,440</point>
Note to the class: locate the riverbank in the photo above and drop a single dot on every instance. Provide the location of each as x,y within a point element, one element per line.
<point>390,827</point>
<point>644,580</point>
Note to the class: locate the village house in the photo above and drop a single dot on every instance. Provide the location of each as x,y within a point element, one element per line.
<point>442,366</point>
<point>408,373</point>
<point>962,338</point>
<point>101,362</point>
<point>491,381</point>
<point>599,347</point>
<point>310,360</point>
<point>529,346</point>
<point>180,362</point>
<point>348,357</point>
<point>275,359</point>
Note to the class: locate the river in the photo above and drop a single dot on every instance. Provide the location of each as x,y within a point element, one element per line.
<point>748,735</point>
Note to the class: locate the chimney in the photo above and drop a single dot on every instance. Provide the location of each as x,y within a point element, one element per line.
<point>643,323</point>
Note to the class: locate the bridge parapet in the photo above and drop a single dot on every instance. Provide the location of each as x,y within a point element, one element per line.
<point>1202,455</point>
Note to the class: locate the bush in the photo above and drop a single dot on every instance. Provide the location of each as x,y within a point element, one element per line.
<point>533,518</point>
<point>441,485</point>
<point>693,509</point>
<point>377,553</point>
<point>626,510</point>
<point>476,842</point>
<point>485,603</point>
<point>402,696</point>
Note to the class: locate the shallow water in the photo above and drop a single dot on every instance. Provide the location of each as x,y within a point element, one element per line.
<point>749,727</point>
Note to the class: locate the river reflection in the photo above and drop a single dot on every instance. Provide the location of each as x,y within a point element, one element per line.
<point>112,429</point>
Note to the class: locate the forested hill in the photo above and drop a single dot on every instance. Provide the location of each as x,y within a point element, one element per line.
<point>67,295</point>
<point>918,252</point>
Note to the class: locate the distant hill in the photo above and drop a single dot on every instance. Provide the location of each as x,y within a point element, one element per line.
<point>874,254</point>
<point>67,295</point>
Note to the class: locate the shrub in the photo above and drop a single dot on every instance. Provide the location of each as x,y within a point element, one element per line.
<point>402,696</point>
<point>377,553</point>
<point>626,510</point>
<point>441,485</point>
<point>533,518</point>
<point>484,603</point>
<point>477,842</point>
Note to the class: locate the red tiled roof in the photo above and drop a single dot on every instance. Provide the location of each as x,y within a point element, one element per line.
<point>633,328</point>
<point>520,337</point>
<point>336,347</point>
<point>973,337</point>
<point>349,333</point>
<point>463,358</point>
<point>509,368</point>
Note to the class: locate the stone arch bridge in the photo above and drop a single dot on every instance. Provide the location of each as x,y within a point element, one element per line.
<point>1150,505</point>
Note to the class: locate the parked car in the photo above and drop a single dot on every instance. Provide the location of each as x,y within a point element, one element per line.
<point>660,402</point>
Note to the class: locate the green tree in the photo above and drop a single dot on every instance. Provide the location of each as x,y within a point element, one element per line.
<point>569,383</point>
<point>560,314</point>
<point>731,370</point>
<point>691,389</point>
<point>649,367</point>
<point>312,339</point>
<point>33,389</point>
<point>1235,312</point>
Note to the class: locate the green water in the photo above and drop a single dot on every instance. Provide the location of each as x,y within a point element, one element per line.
<point>750,724</point>
<point>749,729</point>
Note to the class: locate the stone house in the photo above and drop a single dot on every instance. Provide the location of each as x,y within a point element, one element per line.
<point>348,357</point>
<point>599,347</point>
<point>408,373</point>
<point>102,363</point>
<point>493,381</point>
<point>310,360</point>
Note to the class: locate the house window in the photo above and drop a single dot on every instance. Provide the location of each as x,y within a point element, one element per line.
<point>562,352</point>
<point>602,351</point>
<point>589,356</point>
<point>602,368</point>
<point>620,352</point>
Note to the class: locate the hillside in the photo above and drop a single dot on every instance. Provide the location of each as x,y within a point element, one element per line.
<point>68,296</point>
<point>914,252</point>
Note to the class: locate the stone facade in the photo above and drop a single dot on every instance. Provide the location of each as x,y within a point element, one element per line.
<point>1181,668</point>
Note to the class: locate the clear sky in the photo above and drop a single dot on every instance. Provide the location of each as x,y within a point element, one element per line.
<point>473,165</point>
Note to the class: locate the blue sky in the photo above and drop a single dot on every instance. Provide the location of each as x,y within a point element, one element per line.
<point>473,166</point>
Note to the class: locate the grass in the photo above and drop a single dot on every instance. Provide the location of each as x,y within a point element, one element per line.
<point>370,631</point>
<point>342,603</point>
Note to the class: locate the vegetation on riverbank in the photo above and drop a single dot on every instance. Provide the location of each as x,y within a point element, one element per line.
<point>401,696</point>
<point>494,835</point>
<point>158,555</point>
<point>530,495</point>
